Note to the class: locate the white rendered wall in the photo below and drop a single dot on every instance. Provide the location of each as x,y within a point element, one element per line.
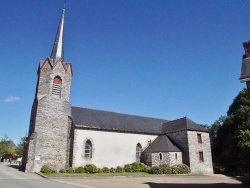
<point>110,149</point>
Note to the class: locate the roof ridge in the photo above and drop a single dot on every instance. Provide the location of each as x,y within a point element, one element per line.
<point>185,117</point>
<point>121,113</point>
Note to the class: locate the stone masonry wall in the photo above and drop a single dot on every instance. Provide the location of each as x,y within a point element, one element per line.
<point>197,166</point>
<point>170,158</point>
<point>51,124</point>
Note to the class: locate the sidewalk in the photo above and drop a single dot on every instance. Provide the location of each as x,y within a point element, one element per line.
<point>172,181</point>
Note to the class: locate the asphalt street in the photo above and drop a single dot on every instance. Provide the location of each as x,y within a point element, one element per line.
<point>11,177</point>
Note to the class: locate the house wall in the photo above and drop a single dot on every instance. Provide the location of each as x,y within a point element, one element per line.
<point>110,149</point>
<point>167,158</point>
<point>197,166</point>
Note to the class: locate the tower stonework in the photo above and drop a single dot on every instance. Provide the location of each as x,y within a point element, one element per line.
<point>48,141</point>
<point>245,68</point>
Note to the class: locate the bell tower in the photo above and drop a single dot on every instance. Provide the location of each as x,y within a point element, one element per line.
<point>48,141</point>
<point>245,68</point>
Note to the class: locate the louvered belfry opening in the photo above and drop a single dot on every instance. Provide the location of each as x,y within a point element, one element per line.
<point>57,84</point>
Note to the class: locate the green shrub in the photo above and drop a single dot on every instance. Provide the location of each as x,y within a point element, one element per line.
<point>245,180</point>
<point>112,170</point>
<point>79,170</point>
<point>164,169</point>
<point>90,168</point>
<point>119,169</point>
<point>98,170</point>
<point>155,170</point>
<point>138,167</point>
<point>47,169</point>
<point>105,170</point>
<point>148,168</point>
<point>70,170</point>
<point>135,167</point>
<point>128,168</point>
<point>62,171</point>
<point>180,169</point>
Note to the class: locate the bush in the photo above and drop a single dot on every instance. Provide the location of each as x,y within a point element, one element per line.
<point>79,170</point>
<point>135,167</point>
<point>155,170</point>
<point>119,169</point>
<point>99,170</point>
<point>246,181</point>
<point>105,170</point>
<point>138,167</point>
<point>90,168</point>
<point>180,169</point>
<point>128,168</point>
<point>112,170</point>
<point>62,171</point>
<point>47,169</point>
<point>165,169</point>
<point>70,170</point>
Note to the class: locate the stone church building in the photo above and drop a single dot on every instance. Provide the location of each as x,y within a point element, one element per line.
<point>61,135</point>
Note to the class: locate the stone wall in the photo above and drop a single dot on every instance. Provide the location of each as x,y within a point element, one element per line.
<point>49,121</point>
<point>171,158</point>
<point>196,165</point>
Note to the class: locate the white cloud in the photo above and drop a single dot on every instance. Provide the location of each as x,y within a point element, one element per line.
<point>12,99</point>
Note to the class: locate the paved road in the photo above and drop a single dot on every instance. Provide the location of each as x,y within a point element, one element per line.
<point>10,177</point>
<point>174,181</point>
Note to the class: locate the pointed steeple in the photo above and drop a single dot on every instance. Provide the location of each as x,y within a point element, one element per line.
<point>58,49</point>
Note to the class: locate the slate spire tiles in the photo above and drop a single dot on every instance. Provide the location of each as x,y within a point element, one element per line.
<point>58,47</point>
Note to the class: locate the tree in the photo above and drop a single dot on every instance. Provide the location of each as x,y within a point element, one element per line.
<point>20,146</point>
<point>3,146</point>
<point>230,135</point>
<point>213,132</point>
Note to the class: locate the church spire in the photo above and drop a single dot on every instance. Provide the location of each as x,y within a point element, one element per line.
<point>58,51</point>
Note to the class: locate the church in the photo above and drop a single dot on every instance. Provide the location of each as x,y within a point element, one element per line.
<point>61,135</point>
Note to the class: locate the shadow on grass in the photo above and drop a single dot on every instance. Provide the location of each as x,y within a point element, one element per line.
<point>175,185</point>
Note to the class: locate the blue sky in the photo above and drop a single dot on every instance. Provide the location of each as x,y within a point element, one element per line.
<point>157,58</point>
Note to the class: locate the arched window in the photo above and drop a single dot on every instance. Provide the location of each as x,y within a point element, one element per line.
<point>160,155</point>
<point>138,152</point>
<point>57,84</point>
<point>88,149</point>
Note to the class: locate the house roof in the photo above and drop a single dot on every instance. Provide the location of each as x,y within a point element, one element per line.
<point>11,143</point>
<point>180,125</point>
<point>161,144</point>
<point>112,121</point>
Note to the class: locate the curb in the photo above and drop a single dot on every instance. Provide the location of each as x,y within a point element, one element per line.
<point>110,176</point>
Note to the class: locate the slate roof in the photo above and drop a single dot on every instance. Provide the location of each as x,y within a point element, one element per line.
<point>180,125</point>
<point>161,144</point>
<point>11,143</point>
<point>111,121</point>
